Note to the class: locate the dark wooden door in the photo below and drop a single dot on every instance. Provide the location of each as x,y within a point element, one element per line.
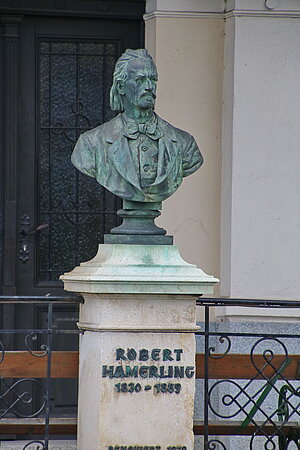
<point>67,68</point>
<point>56,77</point>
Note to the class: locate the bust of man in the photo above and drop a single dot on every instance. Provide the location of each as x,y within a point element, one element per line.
<point>137,155</point>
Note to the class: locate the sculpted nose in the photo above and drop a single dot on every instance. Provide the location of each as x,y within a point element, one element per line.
<point>149,86</point>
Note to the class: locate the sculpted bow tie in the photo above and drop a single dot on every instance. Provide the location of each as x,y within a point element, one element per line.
<point>133,129</point>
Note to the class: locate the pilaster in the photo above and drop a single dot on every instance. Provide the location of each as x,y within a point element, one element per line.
<point>186,40</point>
<point>260,244</point>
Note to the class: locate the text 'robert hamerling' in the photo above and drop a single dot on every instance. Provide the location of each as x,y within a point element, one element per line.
<point>148,371</point>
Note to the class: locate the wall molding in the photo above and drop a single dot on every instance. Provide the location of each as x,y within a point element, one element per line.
<point>267,14</point>
<point>221,14</point>
<point>233,314</point>
<point>183,15</point>
<point>185,5</point>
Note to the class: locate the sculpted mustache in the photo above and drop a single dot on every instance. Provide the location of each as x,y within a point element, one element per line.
<point>148,93</point>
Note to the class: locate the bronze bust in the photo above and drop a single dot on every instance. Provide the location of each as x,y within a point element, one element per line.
<point>137,155</point>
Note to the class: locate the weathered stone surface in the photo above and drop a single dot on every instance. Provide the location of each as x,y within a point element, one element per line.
<point>157,413</point>
<point>138,269</point>
<point>138,312</point>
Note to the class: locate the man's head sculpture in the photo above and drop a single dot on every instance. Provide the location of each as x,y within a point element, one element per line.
<point>137,155</point>
<point>120,75</point>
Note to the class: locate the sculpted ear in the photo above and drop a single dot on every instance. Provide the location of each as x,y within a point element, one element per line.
<point>120,87</point>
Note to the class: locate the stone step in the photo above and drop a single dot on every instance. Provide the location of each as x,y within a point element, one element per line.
<point>53,445</point>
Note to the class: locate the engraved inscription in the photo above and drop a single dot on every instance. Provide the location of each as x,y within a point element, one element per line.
<point>171,388</point>
<point>137,447</point>
<point>168,388</point>
<point>144,355</point>
<point>152,370</point>
<point>160,371</point>
<point>148,372</point>
<point>144,447</point>
<point>128,367</point>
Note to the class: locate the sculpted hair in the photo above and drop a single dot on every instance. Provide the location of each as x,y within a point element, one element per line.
<point>120,75</point>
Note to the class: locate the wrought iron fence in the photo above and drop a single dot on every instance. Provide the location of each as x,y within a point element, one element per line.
<point>259,403</point>
<point>28,398</point>
<point>264,401</point>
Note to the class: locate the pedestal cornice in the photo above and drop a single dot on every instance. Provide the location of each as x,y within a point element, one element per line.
<point>139,329</point>
<point>138,269</point>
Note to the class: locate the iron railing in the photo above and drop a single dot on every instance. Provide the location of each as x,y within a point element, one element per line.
<point>269,401</point>
<point>16,395</point>
<point>266,404</point>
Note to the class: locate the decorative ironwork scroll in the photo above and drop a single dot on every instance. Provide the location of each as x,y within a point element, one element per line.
<point>215,444</point>
<point>40,445</point>
<point>246,401</point>
<point>17,397</point>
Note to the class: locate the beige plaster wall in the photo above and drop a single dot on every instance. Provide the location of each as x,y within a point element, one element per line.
<point>189,56</point>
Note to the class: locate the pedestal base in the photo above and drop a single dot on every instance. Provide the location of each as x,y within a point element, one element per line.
<point>136,390</point>
<point>137,353</point>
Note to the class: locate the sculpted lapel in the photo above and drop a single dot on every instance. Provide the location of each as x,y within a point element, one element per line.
<point>120,156</point>
<point>167,154</point>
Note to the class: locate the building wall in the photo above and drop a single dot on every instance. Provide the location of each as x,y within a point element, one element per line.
<point>229,74</point>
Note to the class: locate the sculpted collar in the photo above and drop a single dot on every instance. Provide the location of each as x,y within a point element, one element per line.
<point>133,129</point>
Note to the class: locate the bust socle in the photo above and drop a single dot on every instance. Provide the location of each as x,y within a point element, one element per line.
<point>137,155</point>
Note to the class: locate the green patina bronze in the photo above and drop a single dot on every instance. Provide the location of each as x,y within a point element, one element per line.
<point>137,155</point>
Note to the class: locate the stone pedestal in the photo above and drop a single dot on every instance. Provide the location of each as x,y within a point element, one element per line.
<point>137,354</point>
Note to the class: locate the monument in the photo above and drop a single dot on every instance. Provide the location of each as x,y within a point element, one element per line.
<point>137,353</point>
<point>137,155</point>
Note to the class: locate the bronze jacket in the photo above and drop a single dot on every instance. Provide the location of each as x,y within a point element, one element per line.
<point>104,153</point>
